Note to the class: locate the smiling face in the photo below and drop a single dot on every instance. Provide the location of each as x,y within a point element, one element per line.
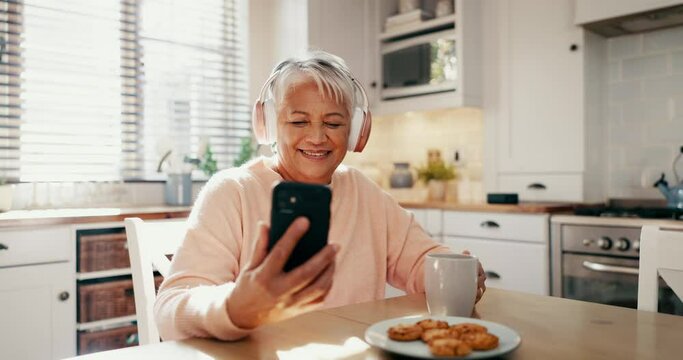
<point>312,133</point>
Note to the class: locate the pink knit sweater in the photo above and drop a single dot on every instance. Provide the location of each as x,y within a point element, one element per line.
<point>379,243</point>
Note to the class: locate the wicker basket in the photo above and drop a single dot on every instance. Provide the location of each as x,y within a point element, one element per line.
<point>107,300</point>
<point>90,342</point>
<point>100,252</point>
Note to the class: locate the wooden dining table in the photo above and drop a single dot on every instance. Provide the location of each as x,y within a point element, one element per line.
<point>549,327</point>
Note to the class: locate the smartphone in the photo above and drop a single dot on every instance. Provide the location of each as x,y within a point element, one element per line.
<point>292,200</point>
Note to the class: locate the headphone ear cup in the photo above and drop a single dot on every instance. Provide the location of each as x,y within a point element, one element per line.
<point>364,134</point>
<point>354,132</point>
<point>361,124</point>
<point>270,121</point>
<point>258,123</point>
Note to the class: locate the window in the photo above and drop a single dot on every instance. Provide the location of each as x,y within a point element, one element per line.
<point>99,90</point>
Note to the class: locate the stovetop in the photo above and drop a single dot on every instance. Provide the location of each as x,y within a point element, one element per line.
<point>631,212</point>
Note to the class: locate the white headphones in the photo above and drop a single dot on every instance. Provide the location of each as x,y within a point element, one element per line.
<point>264,115</point>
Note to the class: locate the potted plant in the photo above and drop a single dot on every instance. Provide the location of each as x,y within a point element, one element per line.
<point>436,175</point>
<point>6,194</point>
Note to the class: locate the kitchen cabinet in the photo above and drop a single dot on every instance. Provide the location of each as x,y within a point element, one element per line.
<point>37,294</point>
<point>465,25</point>
<point>588,11</point>
<point>513,248</point>
<point>346,29</point>
<point>544,102</point>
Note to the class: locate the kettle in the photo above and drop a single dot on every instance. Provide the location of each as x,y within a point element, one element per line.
<point>673,194</point>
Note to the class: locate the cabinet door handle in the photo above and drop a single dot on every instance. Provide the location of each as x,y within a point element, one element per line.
<point>64,296</point>
<point>3,247</point>
<point>536,186</point>
<point>489,224</point>
<point>492,275</point>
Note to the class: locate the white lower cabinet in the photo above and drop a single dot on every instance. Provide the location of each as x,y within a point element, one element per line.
<point>512,247</point>
<point>37,294</point>
<point>37,320</point>
<point>509,265</point>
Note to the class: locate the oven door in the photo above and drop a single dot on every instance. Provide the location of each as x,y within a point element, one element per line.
<point>611,281</point>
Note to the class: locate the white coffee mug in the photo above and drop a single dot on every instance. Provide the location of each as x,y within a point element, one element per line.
<point>450,284</point>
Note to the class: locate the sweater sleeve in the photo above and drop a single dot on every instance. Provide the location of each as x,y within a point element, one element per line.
<point>408,244</point>
<point>192,300</point>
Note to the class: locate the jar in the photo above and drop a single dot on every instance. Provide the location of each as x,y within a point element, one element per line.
<point>444,8</point>
<point>401,177</point>
<point>405,6</point>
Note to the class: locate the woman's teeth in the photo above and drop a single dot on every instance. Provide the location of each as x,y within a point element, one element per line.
<point>315,153</point>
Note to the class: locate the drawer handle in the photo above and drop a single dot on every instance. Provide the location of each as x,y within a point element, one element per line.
<point>3,247</point>
<point>536,186</point>
<point>489,224</point>
<point>64,296</point>
<point>492,275</point>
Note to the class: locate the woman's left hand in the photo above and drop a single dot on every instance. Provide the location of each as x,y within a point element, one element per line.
<point>481,278</point>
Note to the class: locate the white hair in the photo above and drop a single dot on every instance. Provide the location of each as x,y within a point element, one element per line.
<point>330,73</point>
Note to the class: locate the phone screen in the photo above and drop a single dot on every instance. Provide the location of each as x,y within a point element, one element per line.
<point>292,200</point>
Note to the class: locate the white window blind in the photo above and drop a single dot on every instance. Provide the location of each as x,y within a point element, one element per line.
<point>10,69</point>
<point>90,87</point>
<point>194,79</point>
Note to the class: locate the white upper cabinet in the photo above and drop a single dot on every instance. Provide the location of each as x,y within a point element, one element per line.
<point>588,11</point>
<point>543,82</point>
<point>346,29</point>
<point>544,101</point>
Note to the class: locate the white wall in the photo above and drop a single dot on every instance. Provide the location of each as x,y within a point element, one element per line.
<point>277,30</point>
<point>645,110</point>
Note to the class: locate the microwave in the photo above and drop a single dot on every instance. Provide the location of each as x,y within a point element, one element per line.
<point>419,65</point>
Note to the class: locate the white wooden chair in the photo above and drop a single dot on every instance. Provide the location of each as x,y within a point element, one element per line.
<point>661,253</point>
<point>149,242</point>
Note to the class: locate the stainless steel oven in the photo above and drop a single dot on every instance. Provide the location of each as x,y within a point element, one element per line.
<point>597,261</point>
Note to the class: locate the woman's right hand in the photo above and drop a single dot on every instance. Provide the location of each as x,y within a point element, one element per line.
<point>264,293</point>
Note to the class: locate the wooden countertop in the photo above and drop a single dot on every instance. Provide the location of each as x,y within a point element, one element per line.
<point>42,217</point>
<point>550,328</point>
<point>524,207</point>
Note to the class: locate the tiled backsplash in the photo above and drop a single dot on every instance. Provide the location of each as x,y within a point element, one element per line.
<point>407,137</point>
<point>645,106</point>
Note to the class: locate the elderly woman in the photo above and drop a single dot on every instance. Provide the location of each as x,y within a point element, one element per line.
<point>223,280</point>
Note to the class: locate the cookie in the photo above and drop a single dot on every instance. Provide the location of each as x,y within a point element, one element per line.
<point>467,328</point>
<point>449,347</point>
<point>404,332</point>
<point>432,324</point>
<point>433,334</point>
<point>480,340</point>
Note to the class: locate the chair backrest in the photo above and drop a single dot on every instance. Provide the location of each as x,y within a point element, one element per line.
<point>661,253</point>
<point>149,243</point>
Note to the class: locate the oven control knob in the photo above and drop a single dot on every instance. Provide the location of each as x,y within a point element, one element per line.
<point>605,243</point>
<point>623,244</point>
<point>636,245</point>
<point>587,242</point>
